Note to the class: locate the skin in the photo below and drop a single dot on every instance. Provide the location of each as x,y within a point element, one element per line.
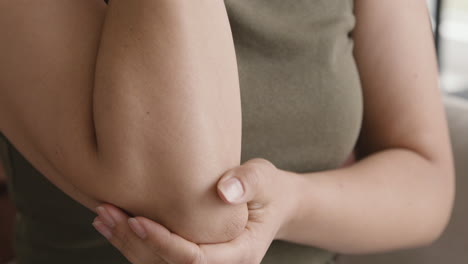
<point>398,194</point>
<point>404,164</point>
<point>108,112</point>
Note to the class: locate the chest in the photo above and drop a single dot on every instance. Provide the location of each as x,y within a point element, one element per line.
<point>300,89</point>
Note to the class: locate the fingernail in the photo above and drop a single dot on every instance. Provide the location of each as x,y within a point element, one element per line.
<point>232,189</point>
<point>105,216</point>
<point>137,228</point>
<point>103,229</point>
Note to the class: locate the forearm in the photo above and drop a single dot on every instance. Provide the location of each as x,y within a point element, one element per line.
<point>166,75</point>
<point>149,125</point>
<point>401,193</point>
<point>391,199</point>
<point>167,113</point>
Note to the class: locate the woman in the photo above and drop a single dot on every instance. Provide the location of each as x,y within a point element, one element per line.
<point>155,127</point>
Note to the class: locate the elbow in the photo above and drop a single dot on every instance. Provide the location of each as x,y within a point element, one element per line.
<point>179,192</point>
<point>193,211</point>
<point>206,219</point>
<point>437,229</point>
<point>433,234</point>
<point>440,214</point>
<point>211,225</point>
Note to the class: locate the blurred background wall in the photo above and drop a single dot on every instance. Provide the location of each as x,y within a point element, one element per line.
<point>453,44</point>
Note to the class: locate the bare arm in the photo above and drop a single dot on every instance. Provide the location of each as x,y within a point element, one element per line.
<point>400,193</point>
<point>149,125</point>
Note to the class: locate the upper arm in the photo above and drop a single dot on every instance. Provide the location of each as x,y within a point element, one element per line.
<point>396,59</point>
<point>46,110</point>
<point>47,56</point>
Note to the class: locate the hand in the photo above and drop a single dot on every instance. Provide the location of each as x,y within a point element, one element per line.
<point>268,194</point>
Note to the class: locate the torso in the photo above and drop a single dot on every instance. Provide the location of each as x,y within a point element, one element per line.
<point>301,109</point>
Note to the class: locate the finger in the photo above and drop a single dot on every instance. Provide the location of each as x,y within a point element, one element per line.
<point>245,183</point>
<point>159,241</point>
<point>123,238</point>
<point>129,250</point>
<point>166,244</point>
<point>237,250</point>
<point>249,247</point>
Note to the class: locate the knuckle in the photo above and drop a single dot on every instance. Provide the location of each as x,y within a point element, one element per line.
<point>122,238</point>
<point>196,258</point>
<point>122,243</point>
<point>156,259</point>
<point>252,175</point>
<point>256,172</point>
<point>263,163</point>
<point>160,244</point>
<point>125,243</point>
<point>157,248</point>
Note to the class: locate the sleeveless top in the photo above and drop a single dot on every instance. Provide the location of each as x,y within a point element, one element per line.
<point>301,109</point>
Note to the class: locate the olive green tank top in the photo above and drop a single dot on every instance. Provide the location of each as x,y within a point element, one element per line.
<point>301,109</point>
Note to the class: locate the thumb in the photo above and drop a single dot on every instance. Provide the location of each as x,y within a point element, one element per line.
<point>240,185</point>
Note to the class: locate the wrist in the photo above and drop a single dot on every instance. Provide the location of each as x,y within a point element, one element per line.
<point>291,183</point>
